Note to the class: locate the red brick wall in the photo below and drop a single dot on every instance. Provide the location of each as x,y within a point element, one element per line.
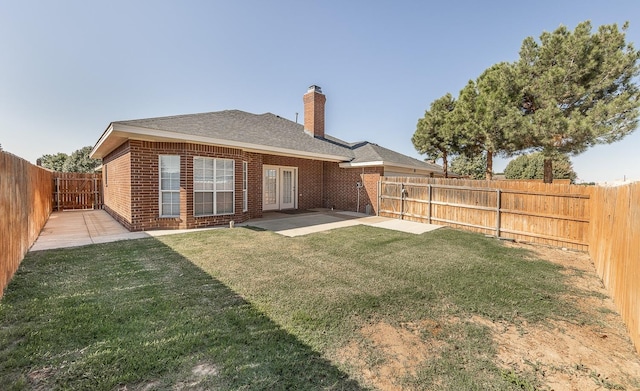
<point>340,191</point>
<point>132,184</point>
<point>116,180</point>
<point>371,180</point>
<point>254,184</point>
<point>310,178</point>
<point>132,190</point>
<point>314,103</point>
<point>145,187</point>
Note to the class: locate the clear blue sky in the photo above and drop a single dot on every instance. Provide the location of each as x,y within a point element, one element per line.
<point>69,68</point>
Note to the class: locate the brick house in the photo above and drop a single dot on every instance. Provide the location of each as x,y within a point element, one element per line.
<point>201,170</point>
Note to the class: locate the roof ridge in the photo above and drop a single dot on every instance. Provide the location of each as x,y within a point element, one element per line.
<point>185,115</point>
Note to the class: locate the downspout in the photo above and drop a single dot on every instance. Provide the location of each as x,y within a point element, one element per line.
<point>359,186</point>
<point>323,201</point>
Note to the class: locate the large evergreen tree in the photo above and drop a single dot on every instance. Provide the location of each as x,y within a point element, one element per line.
<point>487,115</point>
<point>54,162</point>
<point>435,135</point>
<point>578,90</point>
<point>78,161</point>
<point>473,167</point>
<point>531,166</point>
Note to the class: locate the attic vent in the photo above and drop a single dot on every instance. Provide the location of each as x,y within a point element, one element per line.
<point>315,88</point>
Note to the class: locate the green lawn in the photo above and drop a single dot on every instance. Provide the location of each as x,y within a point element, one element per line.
<point>247,309</point>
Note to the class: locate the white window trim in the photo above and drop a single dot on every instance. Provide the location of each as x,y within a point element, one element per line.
<point>214,191</point>
<point>160,191</point>
<point>245,186</point>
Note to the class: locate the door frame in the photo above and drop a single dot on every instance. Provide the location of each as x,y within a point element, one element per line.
<point>280,196</point>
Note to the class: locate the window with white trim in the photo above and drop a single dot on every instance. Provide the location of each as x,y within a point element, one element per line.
<point>213,186</point>
<point>169,186</point>
<point>245,183</point>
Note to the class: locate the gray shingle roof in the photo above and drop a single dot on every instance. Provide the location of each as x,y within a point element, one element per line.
<point>274,131</point>
<point>365,151</point>
<point>235,125</point>
<point>374,152</point>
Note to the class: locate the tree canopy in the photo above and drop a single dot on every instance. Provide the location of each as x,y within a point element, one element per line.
<point>578,89</point>
<point>531,166</point>
<point>435,135</point>
<point>78,161</point>
<point>473,167</point>
<point>568,91</point>
<point>54,162</point>
<point>487,117</point>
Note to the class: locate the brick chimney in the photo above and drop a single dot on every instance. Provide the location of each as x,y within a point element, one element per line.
<point>314,101</point>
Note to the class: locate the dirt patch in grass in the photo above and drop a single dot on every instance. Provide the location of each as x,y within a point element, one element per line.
<point>592,355</point>
<point>199,374</point>
<point>38,378</point>
<point>592,351</point>
<point>569,357</point>
<point>386,354</point>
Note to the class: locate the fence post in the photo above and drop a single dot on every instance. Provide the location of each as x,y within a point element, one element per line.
<point>58,193</point>
<point>498,213</point>
<point>379,196</point>
<point>401,200</point>
<point>429,204</point>
<point>95,193</point>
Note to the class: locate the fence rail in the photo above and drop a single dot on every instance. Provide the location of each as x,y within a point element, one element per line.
<point>555,215</point>
<point>25,205</point>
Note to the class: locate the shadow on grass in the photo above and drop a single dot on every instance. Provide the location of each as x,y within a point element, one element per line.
<point>254,228</point>
<point>137,315</point>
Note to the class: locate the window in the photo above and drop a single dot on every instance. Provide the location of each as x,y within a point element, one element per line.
<point>213,186</point>
<point>169,185</point>
<point>106,175</point>
<point>270,186</point>
<point>245,180</point>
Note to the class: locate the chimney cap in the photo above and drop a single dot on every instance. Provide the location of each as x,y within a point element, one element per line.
<point>315,88</point>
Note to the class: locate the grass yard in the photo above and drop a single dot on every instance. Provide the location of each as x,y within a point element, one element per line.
<point>349,309</point>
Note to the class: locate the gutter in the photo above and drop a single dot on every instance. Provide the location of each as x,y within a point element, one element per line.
<point>145,134</point>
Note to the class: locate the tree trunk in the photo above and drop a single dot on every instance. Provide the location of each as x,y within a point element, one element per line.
<point>548,170</point>
<point>489,171</point>
<point>445,164</point>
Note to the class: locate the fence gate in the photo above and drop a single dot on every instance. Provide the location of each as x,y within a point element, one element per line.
<point>77,191</point>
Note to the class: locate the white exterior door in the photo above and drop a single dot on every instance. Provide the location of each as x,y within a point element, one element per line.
<point>279,186</point>
<point>288,188</point>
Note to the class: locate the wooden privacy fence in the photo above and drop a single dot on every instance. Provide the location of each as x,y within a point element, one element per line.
<point>25,205</point>
<point>602,220</point>
<point>614,247</point>
<point>77,191</point>
<point>556,215</point>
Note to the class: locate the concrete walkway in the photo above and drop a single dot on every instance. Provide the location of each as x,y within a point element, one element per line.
<point>82,227</point>
<point>79,228</point>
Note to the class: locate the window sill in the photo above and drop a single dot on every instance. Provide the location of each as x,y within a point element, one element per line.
<point>218,215</point>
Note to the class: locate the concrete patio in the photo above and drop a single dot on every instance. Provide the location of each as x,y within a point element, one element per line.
<point>79,228</point>
<point>323,220</point>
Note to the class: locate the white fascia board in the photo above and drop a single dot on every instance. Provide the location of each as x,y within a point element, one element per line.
<point>104,136</point>
<point>361,164</point>
<point>386,165</point>
<point>146,134</point>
